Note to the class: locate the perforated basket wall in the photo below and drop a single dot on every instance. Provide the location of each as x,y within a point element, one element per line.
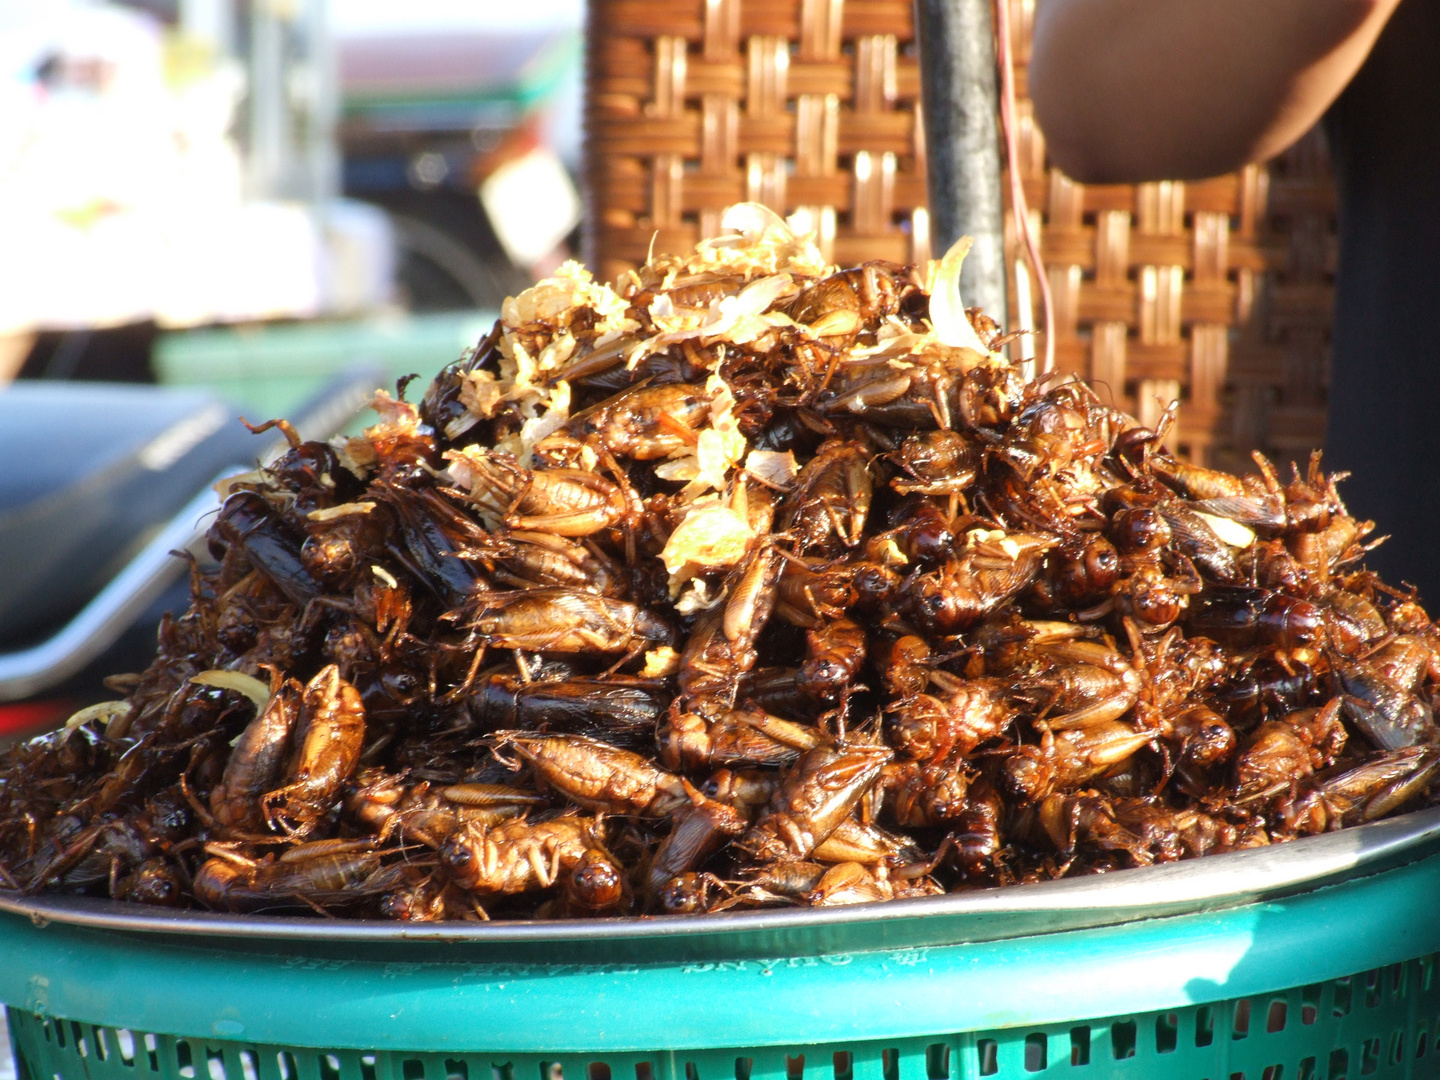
<point>1381,1023</point>
<point>1218,292</point>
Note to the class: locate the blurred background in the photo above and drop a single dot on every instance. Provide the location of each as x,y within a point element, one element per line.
<point>243,193</point>
<point>217,208</point>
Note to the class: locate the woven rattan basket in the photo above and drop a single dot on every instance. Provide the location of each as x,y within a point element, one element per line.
<point>1217,292</point>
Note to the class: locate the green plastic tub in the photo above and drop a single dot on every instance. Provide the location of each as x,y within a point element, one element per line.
<point>1312,960</point>
<point>269,369</point>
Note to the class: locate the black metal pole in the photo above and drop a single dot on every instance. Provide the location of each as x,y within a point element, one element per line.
<point>961,105</point>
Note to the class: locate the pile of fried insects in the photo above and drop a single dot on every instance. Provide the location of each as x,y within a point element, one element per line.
<point>748,582</point>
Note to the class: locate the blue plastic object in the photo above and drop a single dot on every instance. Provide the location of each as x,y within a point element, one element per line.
<point>1335,982</point>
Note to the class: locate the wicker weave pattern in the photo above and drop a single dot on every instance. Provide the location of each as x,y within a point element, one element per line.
<point>799,104</point>
<point>1217,292</point>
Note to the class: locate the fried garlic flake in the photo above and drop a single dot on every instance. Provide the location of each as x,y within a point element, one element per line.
<point>397,417</point>
<point>660,663</point>
<point>773,467</point>
<point>710,538</point>
<point>947,309</point>
<point>696,597</point>
<point>556,299</point>
<point>718,449</point>
<point>534,429</point>
<point>762,243</point>
<point>480,393</point>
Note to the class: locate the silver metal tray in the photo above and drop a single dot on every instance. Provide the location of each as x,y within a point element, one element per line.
<point>1200,885</point>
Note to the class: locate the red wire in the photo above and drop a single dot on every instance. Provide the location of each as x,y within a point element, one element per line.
<point>1017,187</point>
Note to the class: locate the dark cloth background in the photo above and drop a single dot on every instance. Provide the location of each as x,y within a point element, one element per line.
<point>1384,427</point>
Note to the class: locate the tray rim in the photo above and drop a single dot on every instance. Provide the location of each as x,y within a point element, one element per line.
<point>1211,883</point>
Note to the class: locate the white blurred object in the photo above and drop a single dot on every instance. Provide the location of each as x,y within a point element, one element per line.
<point>532,205</point>
<point>359,271</point>
<point>7,1063</point>
<point>210,21</point>
<point>387,17</point>
<point>281,260</point>
<point>261,260</point>
<point>291,112</point>
<point>122,190</point>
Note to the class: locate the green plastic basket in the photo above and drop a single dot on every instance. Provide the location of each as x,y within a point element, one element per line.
<point>1313,961</point>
